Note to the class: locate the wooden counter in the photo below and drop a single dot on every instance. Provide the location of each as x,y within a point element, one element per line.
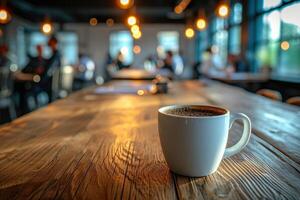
<point>91,146</point>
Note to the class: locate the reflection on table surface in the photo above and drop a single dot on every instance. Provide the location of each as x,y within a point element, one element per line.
<point>139,74</point>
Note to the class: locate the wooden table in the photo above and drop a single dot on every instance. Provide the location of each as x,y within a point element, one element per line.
<point>107,147</point>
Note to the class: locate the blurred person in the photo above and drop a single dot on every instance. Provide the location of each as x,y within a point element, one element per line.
<point>84,71</point>
<point>109,67</point>
<point>36,65</point>
<point>150,63</point>
<point>51,65</point>
<point>55,60</point>
<point>4,60</point>
<point>210,62</point>
<point>27,80</point>
<point>207,61</point>
<point>168,62</point>
<point>196,72</point>
<point>236,63</point>
<point>36,78</point>
<point>119,61</point>
<point>178,63</point>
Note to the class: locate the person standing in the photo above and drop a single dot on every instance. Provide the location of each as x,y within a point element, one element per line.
<point>51,64</point>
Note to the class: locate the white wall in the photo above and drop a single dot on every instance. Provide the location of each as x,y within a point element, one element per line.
<point>94,40</point>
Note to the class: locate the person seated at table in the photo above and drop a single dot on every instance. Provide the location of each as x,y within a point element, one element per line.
<point>150,63</point>
<point>84,72</point>
<point>168,62</point>
<point>207,63</point>
<point>237,63</point>
<point>119,61</point>
<point>26,80</point>
<point>178,63</point>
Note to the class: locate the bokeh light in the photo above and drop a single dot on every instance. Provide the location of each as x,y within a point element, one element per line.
<point>201,23</point>
<point>131,20</point>
<point>110,22</point>
<point>189,33</point>
<point>137,49</point>
<point>134,29</point>
<point>47,28</point>
<point>137,35</point>
<point>5,16</point>
<point>285,45</point>
<point>125,4</point>
<point>93,21</point>
<point>223,10</point>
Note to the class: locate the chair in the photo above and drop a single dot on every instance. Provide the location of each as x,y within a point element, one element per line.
<point>271,94</point>
<point>294,101</point>
<point>6,89</point>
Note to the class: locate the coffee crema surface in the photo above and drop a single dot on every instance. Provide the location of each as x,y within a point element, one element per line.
<point>196,111</point>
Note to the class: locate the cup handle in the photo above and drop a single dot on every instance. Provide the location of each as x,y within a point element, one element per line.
<point>245,137</point>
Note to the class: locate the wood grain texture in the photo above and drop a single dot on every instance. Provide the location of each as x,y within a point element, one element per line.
<point>91,146</point>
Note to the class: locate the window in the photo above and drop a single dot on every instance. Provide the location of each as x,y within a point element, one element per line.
<point>234,42</point>
<point>168,40</point>
<point>220,48</point>
<point>37,38</point>
<point>290,20</point>
<point>225,35</point>
<point>67,45</point>
<point>236,14</point>
<point>122,42</point>
<point>277,37</point>
<point>269,26</point>
<point>290,59</point>
<point>219,41</point>
<point>263,5</point>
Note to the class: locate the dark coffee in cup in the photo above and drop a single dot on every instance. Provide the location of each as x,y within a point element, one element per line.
<point>196,111</point>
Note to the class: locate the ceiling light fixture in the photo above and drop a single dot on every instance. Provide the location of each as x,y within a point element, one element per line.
<point>131,20</point>
<point>223,10</point>
<point>134,29</point>
<point>110,22</point>
<point>93,21</point>
<point>125,4</point>
<point>201,20</point>
<point>47,27</point>
<point>189,32</point>
<point>137,35</point>
<point>5,15</point>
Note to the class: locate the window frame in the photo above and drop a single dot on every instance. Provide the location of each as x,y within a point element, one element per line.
<point>254,14</point>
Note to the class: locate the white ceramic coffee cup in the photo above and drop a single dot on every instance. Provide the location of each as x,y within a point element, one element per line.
<point>195,145</point>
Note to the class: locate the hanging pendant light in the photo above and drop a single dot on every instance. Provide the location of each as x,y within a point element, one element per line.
<point>125,4</point>
<point>223,9</point>
<point>200,22</point>
<point>189,32</point>
<point>47,27</point>
<point>5,15</point>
